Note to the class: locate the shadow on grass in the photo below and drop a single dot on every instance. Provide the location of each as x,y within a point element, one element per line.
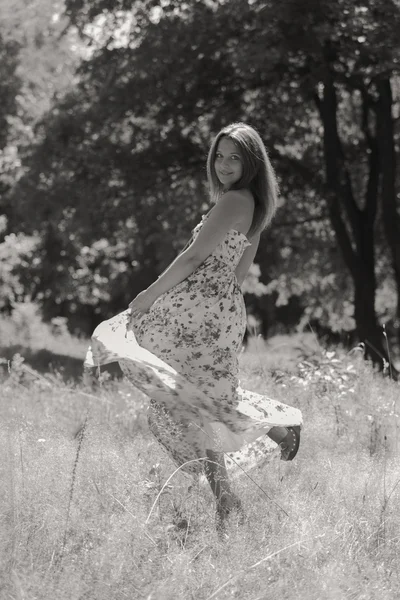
<point>46,361</point>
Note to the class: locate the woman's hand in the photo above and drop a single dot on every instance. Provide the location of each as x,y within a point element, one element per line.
<point>141,304</point>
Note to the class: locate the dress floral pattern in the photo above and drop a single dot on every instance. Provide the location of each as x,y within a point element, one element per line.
<point>183,353</point>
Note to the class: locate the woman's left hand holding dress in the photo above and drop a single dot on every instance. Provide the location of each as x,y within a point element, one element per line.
<point>142,303</point>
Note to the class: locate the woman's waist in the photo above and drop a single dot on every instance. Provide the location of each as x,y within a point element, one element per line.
<point>231,260</point>
<point>215,274</point>
<point>210,282</point>
<point>219,265</point>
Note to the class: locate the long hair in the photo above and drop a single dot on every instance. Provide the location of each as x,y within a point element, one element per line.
<point>258,175</point>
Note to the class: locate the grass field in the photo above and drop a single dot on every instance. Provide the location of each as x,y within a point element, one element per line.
<point>81,516</point>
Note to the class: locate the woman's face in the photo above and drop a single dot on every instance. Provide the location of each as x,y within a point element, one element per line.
<point>228,162</point>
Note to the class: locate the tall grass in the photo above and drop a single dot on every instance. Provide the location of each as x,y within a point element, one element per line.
<point>80,475</point>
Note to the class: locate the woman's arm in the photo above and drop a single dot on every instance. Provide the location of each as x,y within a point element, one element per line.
<point>178,270</point>
<point>247,259</point>
<point>226,214</point>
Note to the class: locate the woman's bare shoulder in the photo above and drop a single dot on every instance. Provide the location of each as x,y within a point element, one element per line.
<point>243,199</point>
<point>247,202</point>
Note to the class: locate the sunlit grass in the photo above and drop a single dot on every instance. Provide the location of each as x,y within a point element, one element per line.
<point>75,500</point>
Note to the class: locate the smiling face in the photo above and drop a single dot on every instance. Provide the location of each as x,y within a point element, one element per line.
<point>228,162</point>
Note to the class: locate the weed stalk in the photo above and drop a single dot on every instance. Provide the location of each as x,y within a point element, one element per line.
<point>391,377</point>
<point>388,351</point>
<point>81,435</point>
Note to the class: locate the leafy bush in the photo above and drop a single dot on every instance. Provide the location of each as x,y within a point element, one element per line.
<point>17,257</point>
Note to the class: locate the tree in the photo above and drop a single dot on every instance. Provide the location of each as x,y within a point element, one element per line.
<point>10,85</point>
<point>39,52</point>
<point>338,49</point>
<point>127,144</point>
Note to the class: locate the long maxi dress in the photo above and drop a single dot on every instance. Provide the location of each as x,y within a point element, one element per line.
<point>183,353</point>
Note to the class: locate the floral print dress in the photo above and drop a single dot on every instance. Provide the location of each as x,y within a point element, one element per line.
<point>183,353</point>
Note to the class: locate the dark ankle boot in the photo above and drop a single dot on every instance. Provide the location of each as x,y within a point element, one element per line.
<point>290,443</point>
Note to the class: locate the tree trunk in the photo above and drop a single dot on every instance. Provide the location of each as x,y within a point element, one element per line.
<point>387,156</point>
<point>353,227</point>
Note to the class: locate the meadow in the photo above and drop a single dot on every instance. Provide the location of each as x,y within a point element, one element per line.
<point>90,507</point>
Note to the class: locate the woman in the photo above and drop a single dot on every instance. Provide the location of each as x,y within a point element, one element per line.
<point>179,341</point>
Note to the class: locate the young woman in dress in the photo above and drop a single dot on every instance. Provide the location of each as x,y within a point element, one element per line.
<point>190,324</point>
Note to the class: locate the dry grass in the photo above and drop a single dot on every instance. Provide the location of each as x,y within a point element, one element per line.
<point>80,474</point>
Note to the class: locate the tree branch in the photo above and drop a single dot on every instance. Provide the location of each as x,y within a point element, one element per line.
<point>371,197</point>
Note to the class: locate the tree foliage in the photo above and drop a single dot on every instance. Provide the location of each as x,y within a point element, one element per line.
<point>115,179</point>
